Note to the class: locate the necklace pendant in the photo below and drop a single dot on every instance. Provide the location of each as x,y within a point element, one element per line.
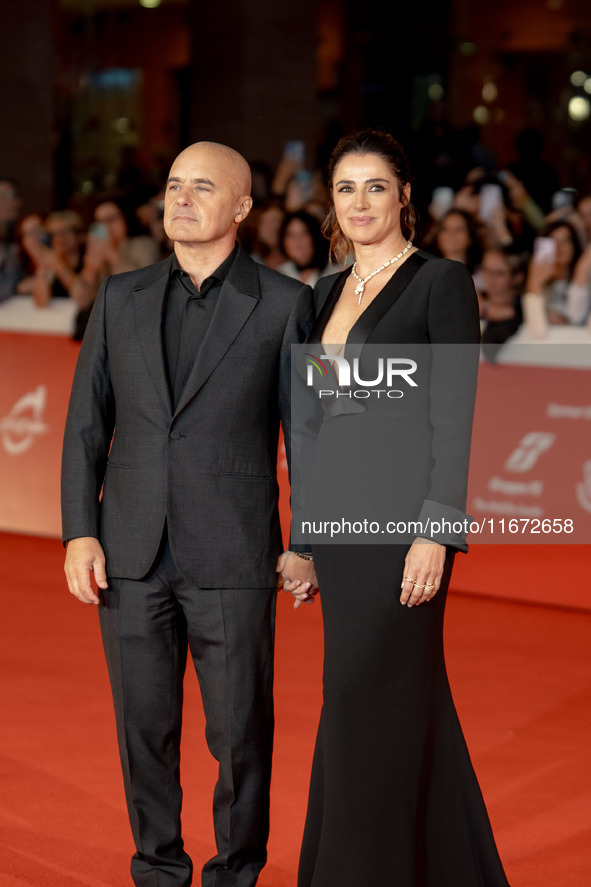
<point>359,289</point>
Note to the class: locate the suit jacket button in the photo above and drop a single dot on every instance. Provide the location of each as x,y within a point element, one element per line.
<point>175,435</point>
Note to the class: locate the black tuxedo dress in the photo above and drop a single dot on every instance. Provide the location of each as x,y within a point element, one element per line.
<point>394,801</point>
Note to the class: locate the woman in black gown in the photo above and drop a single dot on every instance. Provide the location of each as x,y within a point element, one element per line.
<point>394,801</point>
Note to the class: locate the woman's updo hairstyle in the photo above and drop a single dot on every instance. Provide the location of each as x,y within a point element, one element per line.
<point>368,141</point>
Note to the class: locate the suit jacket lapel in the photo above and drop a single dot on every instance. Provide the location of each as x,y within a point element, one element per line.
<point>148,301</point>
<point>237,300</point>
<point>326,308</point>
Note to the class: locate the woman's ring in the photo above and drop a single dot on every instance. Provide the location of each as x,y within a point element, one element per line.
<point>408,579</point>
<point>416,585</point>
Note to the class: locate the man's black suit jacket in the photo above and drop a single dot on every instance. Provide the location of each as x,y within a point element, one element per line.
<point>207,467</point>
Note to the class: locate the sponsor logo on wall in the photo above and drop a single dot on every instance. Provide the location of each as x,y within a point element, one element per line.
<point>532,481</point>
<point>24,423</point>
<point>529,450</point>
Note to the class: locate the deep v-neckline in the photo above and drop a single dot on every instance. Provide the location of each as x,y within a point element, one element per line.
<point>370,316</point>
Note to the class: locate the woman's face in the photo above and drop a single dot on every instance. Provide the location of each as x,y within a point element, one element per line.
<point>31,234</point>
<point>454,238</point>
<point>367,200</point>
<point>269,225</point>
<point>497,276</point>
<point>298,244</point>
<point>111,216</point>
<point>64,238</point>
<point>565,250</point>
<point>31,228</point>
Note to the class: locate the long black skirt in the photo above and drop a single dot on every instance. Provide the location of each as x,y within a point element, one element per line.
<point>394,801</point>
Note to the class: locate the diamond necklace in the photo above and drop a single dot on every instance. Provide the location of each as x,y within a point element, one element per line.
<point>359,289</point>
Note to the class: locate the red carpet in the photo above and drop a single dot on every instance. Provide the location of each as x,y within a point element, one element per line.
<point>521,676</point>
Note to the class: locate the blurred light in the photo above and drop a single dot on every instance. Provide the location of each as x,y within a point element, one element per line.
<point>122,125</point>
<point>579,108</point>
<point>87,187</point>
<point>150,4</point>
<point>467,48</point>
<point>587,85</point>
<point>435,92</point>
<point>481,114</point>
<point>577,78</point>
<point>114,78</point>
<point>489,91</point>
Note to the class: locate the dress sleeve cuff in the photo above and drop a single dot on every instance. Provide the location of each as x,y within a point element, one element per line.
<point>444,524</point>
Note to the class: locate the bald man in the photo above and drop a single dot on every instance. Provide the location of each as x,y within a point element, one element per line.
<point>182,382</point>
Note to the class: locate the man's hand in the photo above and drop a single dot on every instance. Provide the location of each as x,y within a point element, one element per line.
<point>297,576</point>
<point>83,557</point>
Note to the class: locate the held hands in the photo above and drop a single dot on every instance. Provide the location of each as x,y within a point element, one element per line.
<point>83,557</point>
<point>423,569</point>
<point>298,577</point>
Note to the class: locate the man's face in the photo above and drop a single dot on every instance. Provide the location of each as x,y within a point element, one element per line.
<point>206,197</point>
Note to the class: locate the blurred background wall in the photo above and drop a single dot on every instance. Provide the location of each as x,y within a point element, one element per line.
<point>98,94</point>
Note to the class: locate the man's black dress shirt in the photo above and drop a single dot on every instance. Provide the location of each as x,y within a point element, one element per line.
<point>187,316</point>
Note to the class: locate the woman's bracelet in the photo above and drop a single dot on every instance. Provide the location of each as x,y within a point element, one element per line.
<point>304,557</point>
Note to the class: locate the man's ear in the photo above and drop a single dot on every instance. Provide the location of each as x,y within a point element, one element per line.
<point>244,207</point>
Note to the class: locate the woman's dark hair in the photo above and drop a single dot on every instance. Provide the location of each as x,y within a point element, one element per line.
<point>474,250</point>
<point>368,141</point>
<point>577,248</point>
<point>320,252</point>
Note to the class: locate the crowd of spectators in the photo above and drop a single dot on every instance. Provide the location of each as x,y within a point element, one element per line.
<point>528,265</point>
<point>528,250</point>
<point>60,256</point>
<point>516,239</point>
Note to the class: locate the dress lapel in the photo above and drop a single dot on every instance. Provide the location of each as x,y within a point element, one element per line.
<point>360,331</point>
<point>238,297</point>
<point>148,301</point>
